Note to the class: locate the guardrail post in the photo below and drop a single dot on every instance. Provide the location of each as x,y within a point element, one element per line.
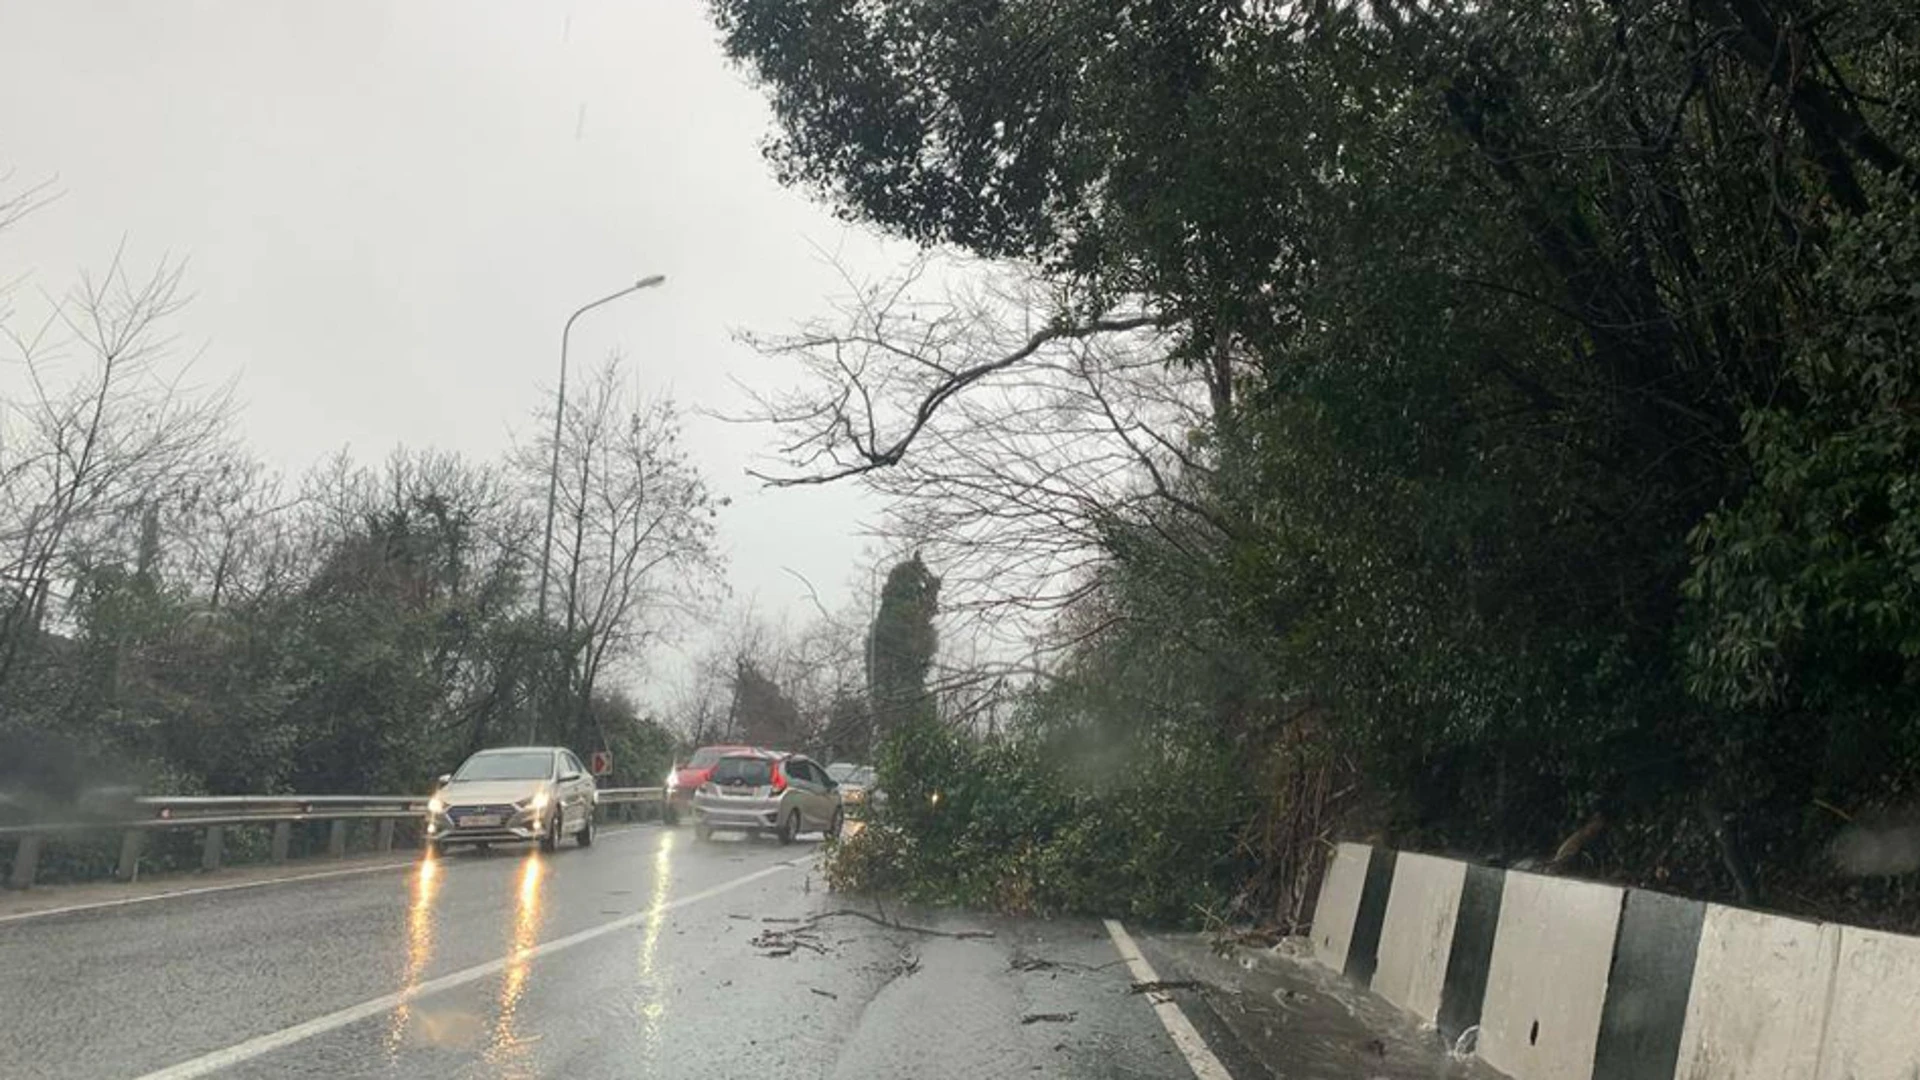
<point>337,838</point>
<point>26,861</point>
<point>383,838</point>
<point>130,843</point>
<point>210,849</point>
<point>282,837</point>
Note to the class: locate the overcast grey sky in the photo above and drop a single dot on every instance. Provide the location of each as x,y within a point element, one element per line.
<point>389,207</point>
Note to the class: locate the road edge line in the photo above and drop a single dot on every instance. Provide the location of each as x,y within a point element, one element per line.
<point>396,863</point>
<point>1185,1036</point>
<point>261,1045</point>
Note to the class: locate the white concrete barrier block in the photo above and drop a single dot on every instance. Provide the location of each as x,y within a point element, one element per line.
<point>1547,983</point>
<point>1417,935</point>
<point>1873,1025</point>
<point>1339,904</point>
<point>1759,997</point>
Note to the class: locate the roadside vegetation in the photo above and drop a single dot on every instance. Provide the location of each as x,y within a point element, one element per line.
<point>1486,428</point>
<point>177,619</point>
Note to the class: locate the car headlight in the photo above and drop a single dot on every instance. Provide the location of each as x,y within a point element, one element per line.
<point>436,805</point>
<point>540,800</point>
<point>673,780</point>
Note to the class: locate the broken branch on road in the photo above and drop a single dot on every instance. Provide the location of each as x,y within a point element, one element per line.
<point>778,943</point>
<point>1161,986</point>
<point>1024,962</point>
<point>877,920</point>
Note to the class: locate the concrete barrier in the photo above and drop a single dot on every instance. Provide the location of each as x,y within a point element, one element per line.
<point>1416,937</point>
<point>1547,983</point>
<point>1339,905</point>
<point>1649,983</point>
<point>1873,1019</point>
<point>1759,999</point>
<point>1573,980</point>
<point>1470,956</point>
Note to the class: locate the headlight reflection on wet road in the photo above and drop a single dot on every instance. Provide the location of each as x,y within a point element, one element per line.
<point>426,883</point>
<point>654,1005</point>
<point>507,1049</point>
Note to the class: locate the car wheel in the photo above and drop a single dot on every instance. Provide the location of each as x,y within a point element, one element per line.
<point>550,842</point>
<point>833,826</point>
<point>585,836</point>
<point>702,833</point>
<point>789,826</point>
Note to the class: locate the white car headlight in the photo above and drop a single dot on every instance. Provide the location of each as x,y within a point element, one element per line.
<point>436,805</point>
<point>540,800</point>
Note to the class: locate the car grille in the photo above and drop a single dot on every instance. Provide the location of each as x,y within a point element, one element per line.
<point>457,814</point>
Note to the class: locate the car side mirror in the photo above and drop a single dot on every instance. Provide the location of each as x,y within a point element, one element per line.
<point>570,778</point>
<point>444,779</point>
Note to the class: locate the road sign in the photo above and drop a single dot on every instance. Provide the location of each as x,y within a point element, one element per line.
<point>602,762</point>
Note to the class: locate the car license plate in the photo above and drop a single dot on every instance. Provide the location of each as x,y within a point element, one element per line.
<point>479,821</point>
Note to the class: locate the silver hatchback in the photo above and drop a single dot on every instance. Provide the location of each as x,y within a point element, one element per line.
<point>759,791</point>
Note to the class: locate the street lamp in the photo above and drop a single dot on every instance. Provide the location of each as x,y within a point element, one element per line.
<point>553,470</point>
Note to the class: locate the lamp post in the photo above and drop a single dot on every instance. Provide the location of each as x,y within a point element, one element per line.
<point>553,470</point>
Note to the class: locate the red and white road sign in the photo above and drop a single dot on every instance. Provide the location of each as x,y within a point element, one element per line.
<point>601,762</point>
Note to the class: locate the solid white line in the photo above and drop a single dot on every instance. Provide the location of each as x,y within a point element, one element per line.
<point>202,890</point>
<point>1185,1036</point>
<point>333,1021</point>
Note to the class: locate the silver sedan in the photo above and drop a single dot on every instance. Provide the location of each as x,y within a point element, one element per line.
<point>520,793</point>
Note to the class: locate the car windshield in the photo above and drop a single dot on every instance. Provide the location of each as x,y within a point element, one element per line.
<point>862,777</point>
<point>744,771</point>
<point>840,770</point>
<point>528,765</point>
<point>704,758</point>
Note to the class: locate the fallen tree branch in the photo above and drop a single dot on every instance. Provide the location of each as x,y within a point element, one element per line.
<point>960,935</point>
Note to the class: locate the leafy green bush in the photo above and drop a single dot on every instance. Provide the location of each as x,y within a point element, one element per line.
<point>1010,825</point>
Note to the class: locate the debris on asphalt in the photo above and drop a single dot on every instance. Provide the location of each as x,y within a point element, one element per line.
<point>824,993</point>
<point>1049,1018</point>
<point>1161,986</point>
<point>778,943</point>
<point>882,920</point>
<point>1026,962</point>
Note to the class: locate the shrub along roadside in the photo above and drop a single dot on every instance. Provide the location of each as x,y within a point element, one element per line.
<point>1011,825</point>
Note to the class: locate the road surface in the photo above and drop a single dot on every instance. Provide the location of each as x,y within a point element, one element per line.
<point>651,954</point>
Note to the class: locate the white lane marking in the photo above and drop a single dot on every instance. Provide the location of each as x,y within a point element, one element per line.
<point>333,1021</point>
<point>1185,1036</point>
<point>202,890</point>
<point>205,889</point>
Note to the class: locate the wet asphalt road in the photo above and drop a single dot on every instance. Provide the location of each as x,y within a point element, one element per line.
<point>635,958</point>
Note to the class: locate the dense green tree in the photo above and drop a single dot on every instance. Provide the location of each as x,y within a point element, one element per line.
<point>901,644</point>
<point>762,714</point>
<point>1555,472</point>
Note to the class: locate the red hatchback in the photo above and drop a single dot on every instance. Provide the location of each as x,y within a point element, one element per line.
<point>686,779</point>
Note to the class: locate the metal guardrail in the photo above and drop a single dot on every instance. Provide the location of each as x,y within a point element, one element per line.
<point>134,818</point>
<point>630,795</point>
<point>629,799</point>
